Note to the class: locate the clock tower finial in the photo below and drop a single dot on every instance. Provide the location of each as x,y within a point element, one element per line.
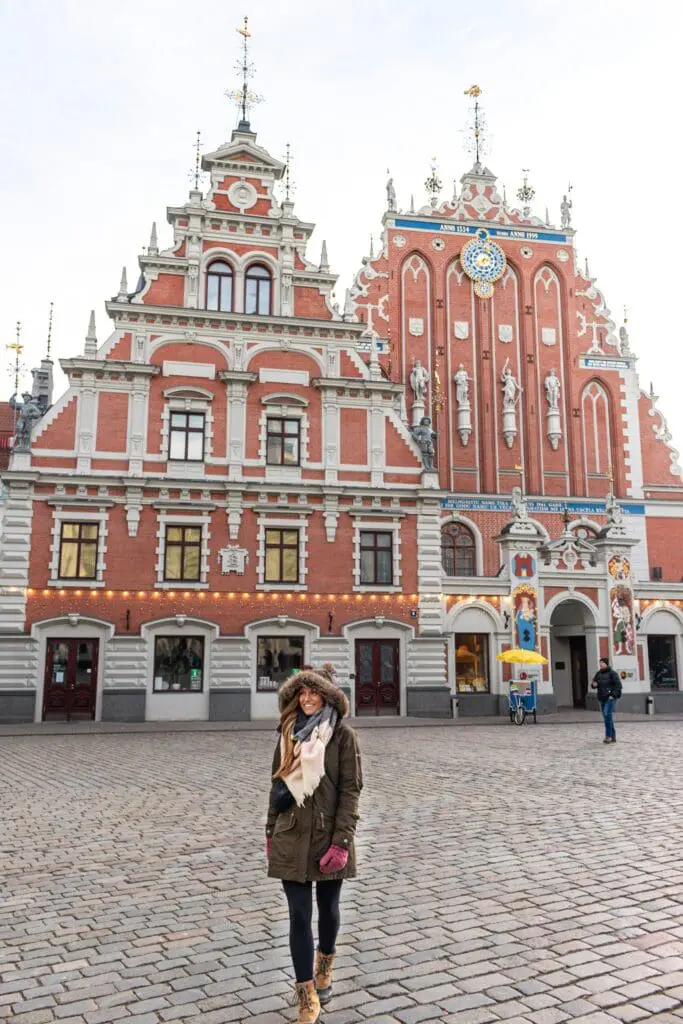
<point>477,125</point>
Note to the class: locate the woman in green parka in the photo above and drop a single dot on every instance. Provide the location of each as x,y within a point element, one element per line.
<point>312,816</point>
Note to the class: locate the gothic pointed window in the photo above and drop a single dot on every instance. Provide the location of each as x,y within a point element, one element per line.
<point>219,286</point>
<point>458,551</point>
<point>257,290</point>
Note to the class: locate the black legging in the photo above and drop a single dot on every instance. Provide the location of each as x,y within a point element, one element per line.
<point>300,899</point>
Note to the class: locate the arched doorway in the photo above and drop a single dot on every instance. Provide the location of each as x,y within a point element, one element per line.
<point>572,637</point>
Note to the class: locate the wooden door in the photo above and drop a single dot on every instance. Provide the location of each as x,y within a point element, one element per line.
<point>579,665</point>
<point>70,690</point>
<point>378,689</point>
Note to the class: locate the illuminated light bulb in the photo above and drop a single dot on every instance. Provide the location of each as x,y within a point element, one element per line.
<point>78,593</point>
<point>359,597</point>
<point>201,596</point>
<point>231,595</point>
<point>156,593</point>
<point>245,595</point>
<point>186,594</point>
<point>141,593</point>
<point>171,593</point>
<point>345,597</point>
<point>125,593</point>
<point>62,593</point>
<point>30,590</point>
<point>317,597</point>
<point>386,597</point>
<point>216,594</point>
<point>302,597</point>
<point>261,596</point>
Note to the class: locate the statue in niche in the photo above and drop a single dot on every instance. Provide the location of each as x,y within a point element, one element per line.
<point>29,414</point>
<point>424,437</point>
<point>566,212</point>
<point>391,194</point>
<point>419,379</point>
<point>511,388</point>
<point>462,385</point>
<point>552,389</point>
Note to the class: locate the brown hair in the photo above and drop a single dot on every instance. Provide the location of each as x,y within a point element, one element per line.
<point>287,720</point>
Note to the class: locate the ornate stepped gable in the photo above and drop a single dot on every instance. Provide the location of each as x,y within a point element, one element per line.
<point>546,381</point>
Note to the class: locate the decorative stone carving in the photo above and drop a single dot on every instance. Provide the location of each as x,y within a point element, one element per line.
<point>511,393</point>
<point>399,241</point>
<point>234,513</point>
<point>331,516</point>
<point>424,437</point>
<point>391,195</point>
<point>416,326</point>
<point>233,559</point>
<point>526,252</point>
<point>419,379</point>
<point>624,343</point>
<point>29,414</point>
<point>505,333</point>
<point>243,195</point>
<point>438,245</point>
<point>548,336</point>
<point>133,509</point>
<point>461,329</point>
<point>462,398</point>
<point>553,419</point>
<point>562,255</point>
<point>566,212</point>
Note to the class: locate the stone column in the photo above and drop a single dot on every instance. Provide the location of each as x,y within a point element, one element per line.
<point>427,690</point>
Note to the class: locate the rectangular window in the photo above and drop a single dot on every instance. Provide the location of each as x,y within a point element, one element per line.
<point>282,441</point>
<point>376,557</point>
<point>282,556</point>
<point>472,662</point>
<point>183,556</point>
<point>178,664</point>
<point>186,436</point>
<point>661,653</point>
<point>78,551</point>
<point>276,657</point>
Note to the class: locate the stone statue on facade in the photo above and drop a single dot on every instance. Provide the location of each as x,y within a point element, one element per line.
<point>520,513</point>
<point>566,212</point>
<point>419,379</point>
<point>391,195</point>
<point>624,343</point>
<point>511,388</point>
<point>462,385</point>
<point>424,437</point>
<point>29,414</point>
<point>552,389</point>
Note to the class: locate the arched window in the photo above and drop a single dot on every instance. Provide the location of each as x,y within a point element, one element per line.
<point>257,288</point>
<point>458,551</point>
<point>219,287</point>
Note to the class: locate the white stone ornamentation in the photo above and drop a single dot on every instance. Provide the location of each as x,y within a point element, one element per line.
<point>416,326</point>
<point>461,329</point>
<point>438,245</point>
<point>233,559</point>
<point>553,420</point>
<point>562,255</point>
<point>243,195</point>
<point>511,394</point>
<point>462,398</point>
<point>399,241</point>
<point>526,252</point>
<point>549,335</point>
<point>505,333</point>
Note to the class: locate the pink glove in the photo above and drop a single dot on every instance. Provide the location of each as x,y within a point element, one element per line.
<point>334,860</point>
<point>269,846</point>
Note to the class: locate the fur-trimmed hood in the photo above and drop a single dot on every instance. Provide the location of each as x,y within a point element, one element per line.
<point>317,682</point>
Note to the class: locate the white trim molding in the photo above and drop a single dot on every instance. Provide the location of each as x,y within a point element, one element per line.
<point>76,515</point>
<point>266,522</point>
<point>190,400</point>
<point>165,519</point>
<point>377,526</point>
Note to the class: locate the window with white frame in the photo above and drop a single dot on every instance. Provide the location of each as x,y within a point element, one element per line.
<point>282,553</point>
<point>186,436</point>
<point>183,550</point>
<point>283,441</point>
<point>78,547</point>
<point>283,435</point>
<point>187,427</point>
<point>377,555</point>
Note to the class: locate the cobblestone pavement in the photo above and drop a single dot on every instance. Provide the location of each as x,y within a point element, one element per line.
<point>517,874</point>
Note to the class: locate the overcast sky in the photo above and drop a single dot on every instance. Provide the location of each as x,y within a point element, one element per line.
<point>102,101</point>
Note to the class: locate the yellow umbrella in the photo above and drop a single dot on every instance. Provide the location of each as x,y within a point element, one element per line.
<point>518,656</point>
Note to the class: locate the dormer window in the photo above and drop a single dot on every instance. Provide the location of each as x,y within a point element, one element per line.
<point>219,287</point>
<point>257,290</point>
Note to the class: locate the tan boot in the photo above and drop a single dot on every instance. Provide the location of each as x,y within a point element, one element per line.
<point>309,1004</point>
<point>323,975</point>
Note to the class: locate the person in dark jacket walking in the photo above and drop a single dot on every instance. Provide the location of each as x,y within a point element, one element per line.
<point>311,824</point>
<point>608,684</point>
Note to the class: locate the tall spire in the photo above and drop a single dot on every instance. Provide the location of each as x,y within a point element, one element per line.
<point>477,125</point>
<point>123,287</point>
<point>433,184</point>
<point>288,172</point>
<point>49,330</point>
<point>91,336</point>
<point>324,262</point>
<point>153,248</point>
<point>244,97</point>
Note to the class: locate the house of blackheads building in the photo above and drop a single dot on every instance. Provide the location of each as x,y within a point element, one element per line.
<point>243,479</point>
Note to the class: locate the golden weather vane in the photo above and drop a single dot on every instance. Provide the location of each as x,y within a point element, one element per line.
<point>244,97</point>
<point>478,124</point>
<point>17,347</point>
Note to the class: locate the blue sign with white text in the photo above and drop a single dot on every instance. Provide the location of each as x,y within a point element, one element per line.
<point>451,228</point>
